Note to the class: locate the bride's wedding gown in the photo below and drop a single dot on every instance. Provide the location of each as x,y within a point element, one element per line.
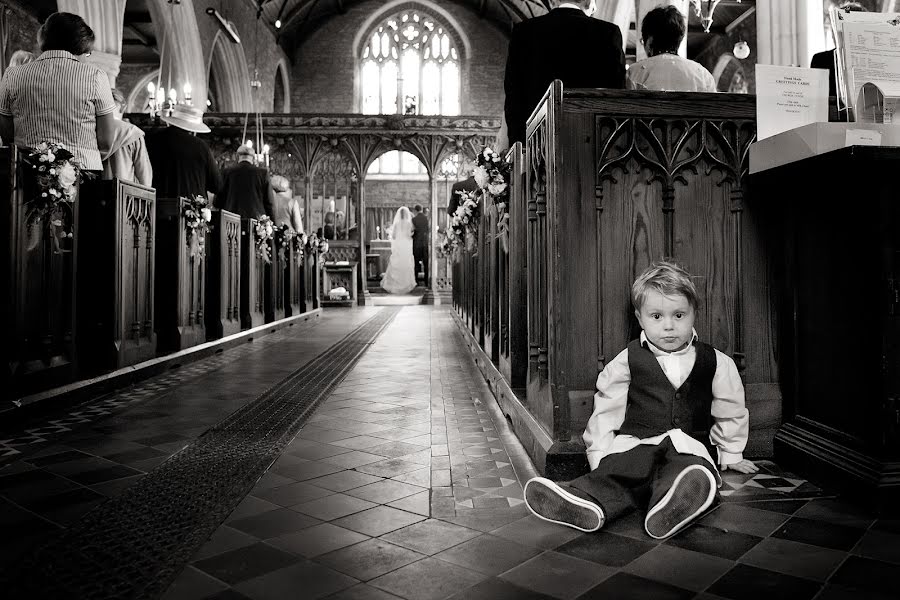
<point>400,277</point>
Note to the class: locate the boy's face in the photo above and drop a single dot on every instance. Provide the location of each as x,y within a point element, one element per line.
<point>668,321</point>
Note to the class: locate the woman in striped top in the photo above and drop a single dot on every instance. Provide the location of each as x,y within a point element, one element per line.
<point>57,98</point>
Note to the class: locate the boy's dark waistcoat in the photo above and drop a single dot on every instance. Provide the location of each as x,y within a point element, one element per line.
<point>654,406</point>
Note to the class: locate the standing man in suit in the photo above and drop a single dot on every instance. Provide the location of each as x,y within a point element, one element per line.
<point>420,242</point>
<point>246,189</point>
<point>566,44</point>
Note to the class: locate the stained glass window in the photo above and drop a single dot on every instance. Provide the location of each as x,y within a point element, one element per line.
<point>399,163</point>
<point>410,65</point>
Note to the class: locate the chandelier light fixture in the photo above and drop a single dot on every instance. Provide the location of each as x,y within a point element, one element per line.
<point>705,10</point>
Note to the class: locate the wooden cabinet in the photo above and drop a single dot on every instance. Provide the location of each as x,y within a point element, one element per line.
<point>835,220</point>
<point>180,281</point>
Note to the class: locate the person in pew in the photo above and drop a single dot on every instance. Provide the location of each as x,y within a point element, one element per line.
<point>285,209</point>
<point>669,410</point>
<point>20,57</point>
<point>662,32</point>
<point>825,60</point>
<point>126,159</point>
<point>246,189</point>
<point>566,44</point>
<point>57,97</point>
<point>183,164</point>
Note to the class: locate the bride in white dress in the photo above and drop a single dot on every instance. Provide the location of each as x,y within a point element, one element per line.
<point>400,277</point>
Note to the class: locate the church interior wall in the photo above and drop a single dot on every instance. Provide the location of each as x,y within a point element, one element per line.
<point>263,53</point>
<point>322,79</point>
<point>392,192</point>
<point>21,33</point>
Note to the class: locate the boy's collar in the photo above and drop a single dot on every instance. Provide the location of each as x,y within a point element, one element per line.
<point>659,351</point>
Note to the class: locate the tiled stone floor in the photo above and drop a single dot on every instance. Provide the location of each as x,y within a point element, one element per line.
<point>406,483</point>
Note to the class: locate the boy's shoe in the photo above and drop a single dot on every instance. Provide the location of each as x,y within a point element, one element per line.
<point>562,504</point>
<point>692,493</point>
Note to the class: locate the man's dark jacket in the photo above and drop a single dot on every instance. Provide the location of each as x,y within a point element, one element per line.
<point>564,44</point>
<point>246,191</point>
<point>825,60</point>
<point>420,233</point>
<point>183,164</point>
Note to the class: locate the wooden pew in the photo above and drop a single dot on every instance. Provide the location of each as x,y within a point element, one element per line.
<point>513,275</point>
<point>223,276</point>
<point>116,260</point>
<point>38,292</point>
<point>180,281</point>
<point>275,286</point>
<point>490,275</point>
<point>295,284</point>
<point>253,280</point>
<point>614,181</point>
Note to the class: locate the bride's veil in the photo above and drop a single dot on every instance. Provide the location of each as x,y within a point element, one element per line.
<point>402,225</point>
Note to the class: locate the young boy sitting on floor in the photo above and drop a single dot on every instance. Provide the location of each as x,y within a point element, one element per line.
<point>668,409</point>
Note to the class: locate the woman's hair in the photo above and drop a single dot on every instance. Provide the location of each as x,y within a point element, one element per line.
<point>329,218</point>
<point>65,31</point>
<point>668,279</point>
<point>666,26</point>
<point>280,183</point>
<point>20,57</point>
<point>403,213</point>
<point>119,99</point>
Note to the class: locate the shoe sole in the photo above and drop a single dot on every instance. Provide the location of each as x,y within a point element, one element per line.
<point>692,493</point>
<point>561,507</point>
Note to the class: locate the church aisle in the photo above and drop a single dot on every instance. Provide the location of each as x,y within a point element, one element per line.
<point>406,483</point>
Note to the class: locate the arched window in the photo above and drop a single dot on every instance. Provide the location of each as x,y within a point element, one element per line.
<point>410,65</point>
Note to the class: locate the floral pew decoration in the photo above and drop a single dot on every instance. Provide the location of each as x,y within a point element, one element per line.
<point>197,216</point>
<point>463,230</point>
<point>57,173</point>
<point>492,175</point>
<point>265,232</point>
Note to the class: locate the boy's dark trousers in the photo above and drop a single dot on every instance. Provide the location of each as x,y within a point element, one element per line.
<point>623,482</point>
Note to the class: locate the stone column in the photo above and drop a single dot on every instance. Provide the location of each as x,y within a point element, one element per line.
<point>181,53</point>
<point>645,6</point>
<point>619,12</point>
<point>106,19</point>
<point>789,32</point>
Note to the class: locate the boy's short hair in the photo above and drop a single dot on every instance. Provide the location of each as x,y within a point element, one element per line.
<point>668,279</point>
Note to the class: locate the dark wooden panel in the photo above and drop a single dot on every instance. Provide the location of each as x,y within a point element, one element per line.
<point>837,292</point>
<point>180,281</point>
<point>39,292</point>
<point>295,284</point>
<point>223,276</point>
<point>252,278</point>
<point>275,286</point>
<point>513,312</point>
<point>116,313</point>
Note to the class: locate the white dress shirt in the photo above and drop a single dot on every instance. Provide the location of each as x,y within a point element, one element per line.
<point>669,73</point>
<point>731,419</point>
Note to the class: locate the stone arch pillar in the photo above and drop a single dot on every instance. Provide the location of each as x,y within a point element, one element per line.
<point>232,76</point>
<point>106,19</point>
<point>789,32</point>
<point>181,54</point>
<point>645,6</point>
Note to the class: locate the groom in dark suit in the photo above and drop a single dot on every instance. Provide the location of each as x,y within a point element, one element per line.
<point>565,44</point>
<point>420,242</point>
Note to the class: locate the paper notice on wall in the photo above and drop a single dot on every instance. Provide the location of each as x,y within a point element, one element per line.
<point>789,97</point>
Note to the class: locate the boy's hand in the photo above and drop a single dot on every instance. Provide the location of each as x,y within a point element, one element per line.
<point>745,466</point>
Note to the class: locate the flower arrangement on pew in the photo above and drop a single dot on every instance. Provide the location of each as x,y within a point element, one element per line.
<point>492,174</point>
<point>298,245</point>
<point>197,216</point>
<point>56,172</point>
<point>265,232</point>
<point>463,229</point>
<point>316,244</point>
<point>284,241</point>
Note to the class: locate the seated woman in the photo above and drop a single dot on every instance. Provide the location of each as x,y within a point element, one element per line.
<point>58,98</point>
<point>662,30</point>
<point>126,158</point>
<point>285,209</point>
